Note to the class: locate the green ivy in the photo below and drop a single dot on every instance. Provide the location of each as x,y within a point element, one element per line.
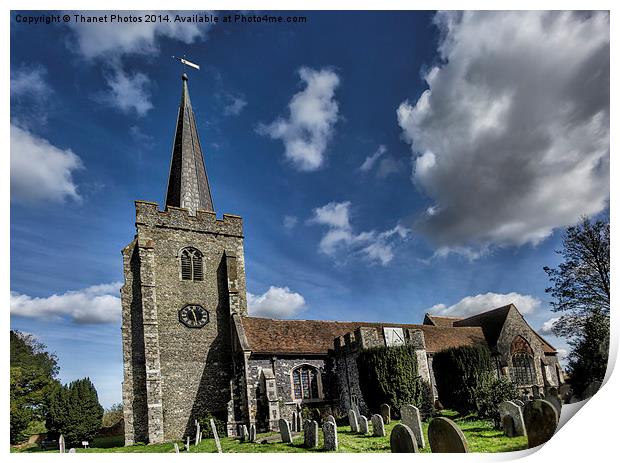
<point>460,372</point>
<point>390,375</point>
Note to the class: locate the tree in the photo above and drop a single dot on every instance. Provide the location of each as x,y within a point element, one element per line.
<point>33,373</point>
<point>580,284</point>
<point>75,412</point>
<point>580,287</point>
<point>588,360</point>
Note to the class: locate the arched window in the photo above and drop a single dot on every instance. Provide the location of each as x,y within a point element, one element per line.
<point>522,362</point>
<point>191,264</point>
<point>523,369</point>
<point>305,382</point>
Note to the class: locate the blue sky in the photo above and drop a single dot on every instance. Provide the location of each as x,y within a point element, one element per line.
<point>385,164</point>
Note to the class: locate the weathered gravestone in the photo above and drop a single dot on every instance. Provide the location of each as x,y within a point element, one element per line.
<point>554,400</point>
<point>353,421</point>
<point>541,421</point>
<point>294,422</point>
<point>244,433</point>
<point>71,450</point>
<point>410,416</point>
<point>187,444</point>
<point>285,431</point>
<point>384,411</point>
<point>252,435</point>
<point>176,448</point>
<point>330,436</point>
<point>402,440</point>
<point>331,419</point>
<point>311,434</point>
<point>363,425</point>
<point>511,416</point>
<point>216,437</point>
<point>378,428</point>
<point>356,409</point>
<point>519,402</point>
<point>197,432</point>
<point>445,436</point>
<point>61,444</point>
<point>299,419</point>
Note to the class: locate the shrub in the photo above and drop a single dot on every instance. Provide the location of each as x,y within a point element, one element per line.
<point>492,393</point>
<point>459,373</point>
<point>205,425</point>
<point>390,375</point>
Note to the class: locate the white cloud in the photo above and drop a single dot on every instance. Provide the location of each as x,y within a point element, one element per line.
<point>389,166</point>
<point>562,354</point>
<point>473,305</point>
<point>370,161</point>
<point>377,247</point>
<point>290,222</point>
<point>95,304</point>
<point>547,327</point>
<point>95,40</point>
<point>511,140</point>
<point>30,81</point>
<point>40,171</point>
<point>235,106</point>
<point>128,92</point>
<point>313,112</point>
<point>276,303</point>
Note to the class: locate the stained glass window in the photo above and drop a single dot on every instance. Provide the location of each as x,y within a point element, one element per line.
<point>306,382</point>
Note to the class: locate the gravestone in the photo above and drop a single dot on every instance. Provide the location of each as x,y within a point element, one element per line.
<point>511,409</point>
<point>445,436</point>
<point>402,440</point>
<point>363,425</point>
<point>378,428</point>
<point>187,444</point>
<point>541,421</point>
<point>244,433</point>
<point>330,436</point>
<point>71,450</point>
<point>356,409</point>
<point>508,425</point>
<point>285,431</point>
<point>299,419</point>
<point>554,400</point>
<point>353,421</point>
<point>61,444</point>
<point>252,436</point>
<point>519,402</point>
<point>384,411</point>
<point>176,448</point>
<point>294,422</point>
<point>311,434</point>
<point>216,437</point>
<point>331,419</point>
<point>197,432</point>
<point>410,416</point>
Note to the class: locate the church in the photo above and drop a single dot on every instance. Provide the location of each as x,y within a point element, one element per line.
<point>190,348</point>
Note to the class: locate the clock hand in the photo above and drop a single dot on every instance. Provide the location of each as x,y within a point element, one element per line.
<point>194,315</point>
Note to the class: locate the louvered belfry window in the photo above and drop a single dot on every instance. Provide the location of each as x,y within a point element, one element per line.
<point>191,264</point>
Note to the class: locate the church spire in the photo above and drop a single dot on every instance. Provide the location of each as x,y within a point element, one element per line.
<point>188,184</point>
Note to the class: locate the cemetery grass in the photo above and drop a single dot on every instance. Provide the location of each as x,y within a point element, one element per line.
<point>480,435</point>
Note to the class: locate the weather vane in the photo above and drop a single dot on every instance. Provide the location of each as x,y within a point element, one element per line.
<point>186,62</point>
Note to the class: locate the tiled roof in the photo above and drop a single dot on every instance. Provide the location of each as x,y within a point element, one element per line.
<point>435,320</point>
<point>266,335</point>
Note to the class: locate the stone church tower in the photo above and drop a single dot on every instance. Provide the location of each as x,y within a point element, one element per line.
<point>184,280</point>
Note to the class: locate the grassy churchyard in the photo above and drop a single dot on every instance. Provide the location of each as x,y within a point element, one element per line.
<point>480,435</point>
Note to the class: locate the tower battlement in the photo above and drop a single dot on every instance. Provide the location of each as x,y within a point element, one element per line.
<point>149,214</point>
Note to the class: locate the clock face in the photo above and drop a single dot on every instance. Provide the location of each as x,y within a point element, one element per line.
<point>193,316</point>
